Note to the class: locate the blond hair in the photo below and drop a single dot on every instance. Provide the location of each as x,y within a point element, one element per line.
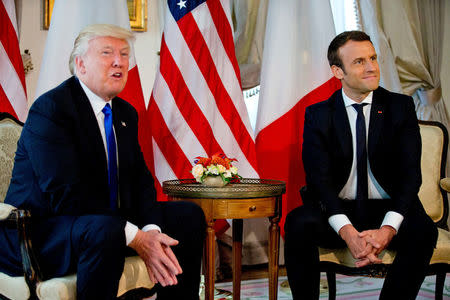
<point>90,32</point>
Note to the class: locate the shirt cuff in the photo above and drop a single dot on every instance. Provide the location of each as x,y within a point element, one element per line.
<point>130,232</point>
<point>393,219</point>
<point>338,221</point>
<point>151,227</point>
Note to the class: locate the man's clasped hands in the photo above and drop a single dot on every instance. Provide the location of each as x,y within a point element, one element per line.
<point>365,246</point>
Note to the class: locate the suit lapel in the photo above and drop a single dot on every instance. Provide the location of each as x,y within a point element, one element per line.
<point>342,125</point>
<point>376,120</point>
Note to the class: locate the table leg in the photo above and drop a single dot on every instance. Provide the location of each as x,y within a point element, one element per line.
<point>210,268</point>
<point>274,246</point>
<point>236,259</point>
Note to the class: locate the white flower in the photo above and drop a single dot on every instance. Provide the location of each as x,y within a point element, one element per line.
<point>212,170</point>
<point>221,168</point>
<point>197,171</point>
<point>227,174</point>
<point>233,170</point>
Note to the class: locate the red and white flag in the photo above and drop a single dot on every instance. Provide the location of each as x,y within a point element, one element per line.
<point>13,93</point>
<point>61,35</point>
<point>197,106</point>
<point>295,73</point>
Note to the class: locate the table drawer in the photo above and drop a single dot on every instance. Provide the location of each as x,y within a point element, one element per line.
<point>243,209</point>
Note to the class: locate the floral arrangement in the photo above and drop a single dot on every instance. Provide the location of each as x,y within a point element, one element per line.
<point>216,165</point>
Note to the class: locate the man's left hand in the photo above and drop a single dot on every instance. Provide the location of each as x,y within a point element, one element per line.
<point>379,238</point>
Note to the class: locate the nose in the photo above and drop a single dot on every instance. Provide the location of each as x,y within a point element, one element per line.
<point>371,65</point>
<point>119,60</point>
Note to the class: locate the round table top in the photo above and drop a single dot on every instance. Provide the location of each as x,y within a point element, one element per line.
<point>245,188</point>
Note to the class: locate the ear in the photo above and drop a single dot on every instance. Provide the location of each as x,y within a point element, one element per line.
<point>79,64</point>
<point>337,72</point>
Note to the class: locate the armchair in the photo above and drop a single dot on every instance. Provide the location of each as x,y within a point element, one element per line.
<point>433,195</point>
<point>30,286</point>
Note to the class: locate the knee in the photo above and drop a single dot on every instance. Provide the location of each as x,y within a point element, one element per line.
<point>298,222</point>
<point>184,220</point>
<point>104,232</point>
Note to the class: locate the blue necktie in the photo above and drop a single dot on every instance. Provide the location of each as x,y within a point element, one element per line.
<point>361,162</point>
<point>112,156</point>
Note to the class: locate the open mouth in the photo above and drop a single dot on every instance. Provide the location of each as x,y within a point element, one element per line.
<point>117,75</point>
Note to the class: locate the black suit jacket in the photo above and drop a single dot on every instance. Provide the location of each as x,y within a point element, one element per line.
<point>394,150</point>
<point>60,171</point>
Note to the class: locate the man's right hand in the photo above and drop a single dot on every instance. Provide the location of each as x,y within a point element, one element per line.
<point>358,246</point>
<point>154,249</point>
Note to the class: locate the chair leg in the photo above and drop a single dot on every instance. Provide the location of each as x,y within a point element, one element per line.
<point>439,289</point>
<point>331,278</point>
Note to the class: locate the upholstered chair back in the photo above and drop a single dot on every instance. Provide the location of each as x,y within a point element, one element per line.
<point>430,193</point>
<point>9,135</point>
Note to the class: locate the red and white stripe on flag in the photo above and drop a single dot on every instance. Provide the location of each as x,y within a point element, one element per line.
<point>197,106</point>
<point>295,74</point>
<point>13,95</point>
<point>59,44</point>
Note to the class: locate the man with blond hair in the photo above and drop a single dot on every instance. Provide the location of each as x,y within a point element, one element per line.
<point>80,171</point>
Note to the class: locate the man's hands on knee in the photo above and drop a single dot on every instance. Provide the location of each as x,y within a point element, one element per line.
<point>154,249</point>
<point>359,247</point>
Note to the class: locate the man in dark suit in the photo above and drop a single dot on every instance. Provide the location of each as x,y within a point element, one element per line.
<point>361,152</point>
<point>81,172</point>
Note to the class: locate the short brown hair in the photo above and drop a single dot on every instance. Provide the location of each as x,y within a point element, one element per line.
<point>339,41</point>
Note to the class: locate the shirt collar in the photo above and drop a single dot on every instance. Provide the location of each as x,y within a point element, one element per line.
<point>348,101</point>
<point>97,103</point>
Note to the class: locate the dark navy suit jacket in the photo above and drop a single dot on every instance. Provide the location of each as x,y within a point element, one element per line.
<point>60,172</point>
<point>394,150</point>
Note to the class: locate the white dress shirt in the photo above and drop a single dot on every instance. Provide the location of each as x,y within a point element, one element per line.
<point>375,191</point>
<point>97,105</point>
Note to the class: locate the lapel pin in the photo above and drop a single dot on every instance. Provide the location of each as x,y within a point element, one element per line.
<point>124,124</point>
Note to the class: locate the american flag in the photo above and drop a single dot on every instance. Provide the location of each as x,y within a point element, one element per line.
<point>197,106</point>
<point>13,97</point>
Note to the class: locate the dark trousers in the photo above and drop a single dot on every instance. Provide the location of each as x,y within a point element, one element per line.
<point>94,247</point>
<point>306,229</point>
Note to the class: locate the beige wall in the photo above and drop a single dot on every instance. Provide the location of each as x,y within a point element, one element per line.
<point>33,37</point>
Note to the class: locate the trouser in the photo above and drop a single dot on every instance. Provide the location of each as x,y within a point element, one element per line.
<point>94,247</point>
<point>307,228</point>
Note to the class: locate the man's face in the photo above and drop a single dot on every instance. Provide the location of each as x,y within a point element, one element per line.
<point>104,66</point>
<point>360,73</point>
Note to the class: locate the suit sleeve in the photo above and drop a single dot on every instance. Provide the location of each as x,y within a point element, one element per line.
<point>317,161</point>
<point>143,183</point>
<point>407,177</point>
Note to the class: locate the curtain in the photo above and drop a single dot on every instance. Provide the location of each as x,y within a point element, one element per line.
<point>249,18</point>
<point>370,16</point>
<point>413,31</point>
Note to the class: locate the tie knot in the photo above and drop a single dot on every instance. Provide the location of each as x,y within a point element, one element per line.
<point>107,109</point>
<point>359,107</point>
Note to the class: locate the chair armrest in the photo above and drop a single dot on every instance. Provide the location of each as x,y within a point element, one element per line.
<point>5,211</point>
<point>445,184</point>
<point>21,220</point>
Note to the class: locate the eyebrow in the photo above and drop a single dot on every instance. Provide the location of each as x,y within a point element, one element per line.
<point>111,47</point>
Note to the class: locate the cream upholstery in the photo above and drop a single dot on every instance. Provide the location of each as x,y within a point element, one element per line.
<point>430,194</point>
<point>9,135</point>
<point>64,288</point>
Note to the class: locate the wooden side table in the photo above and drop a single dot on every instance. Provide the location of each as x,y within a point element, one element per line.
<point>250,198</point>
